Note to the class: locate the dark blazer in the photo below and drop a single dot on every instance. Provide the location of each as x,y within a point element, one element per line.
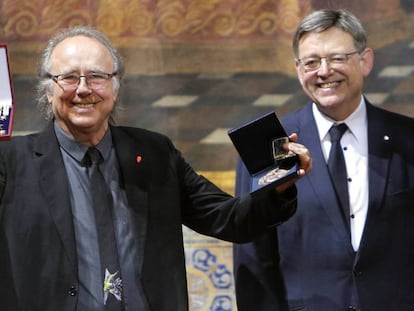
<point>319,270</point>
<point>38,260</point>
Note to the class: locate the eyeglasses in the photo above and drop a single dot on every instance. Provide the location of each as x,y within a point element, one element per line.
<point>314,62</point>
<point>70,81</point>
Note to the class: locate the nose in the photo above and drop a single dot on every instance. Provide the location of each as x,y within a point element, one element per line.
<point>83,87</point>
<point>324,68</point>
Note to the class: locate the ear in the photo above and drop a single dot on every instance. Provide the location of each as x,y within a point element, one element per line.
<point>297,64</point>
<point>115,96</point>
<point>49,96</point>
<point>367,61</point>
<point>299,71</point>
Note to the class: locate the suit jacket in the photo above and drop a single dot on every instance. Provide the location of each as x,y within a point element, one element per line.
<point>308,263</point>
<point>38,260</point>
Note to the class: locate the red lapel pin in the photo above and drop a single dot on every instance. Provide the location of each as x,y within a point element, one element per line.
<point>139,159</point>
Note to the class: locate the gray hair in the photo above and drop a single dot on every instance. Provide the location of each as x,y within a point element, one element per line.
<point>45,84</point>
<point>321,20</point>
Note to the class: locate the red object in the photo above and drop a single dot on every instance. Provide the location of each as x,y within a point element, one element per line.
<point>6,95</point>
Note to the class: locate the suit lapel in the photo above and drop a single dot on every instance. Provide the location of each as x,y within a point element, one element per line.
<point>316,181</point>
<point>134,161</point>
<point>378,167</point>
<point>378,157</point>
<point>53,183</point>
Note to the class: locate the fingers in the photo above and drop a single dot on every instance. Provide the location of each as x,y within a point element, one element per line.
<point>293,137</point>
<point>304,166</point>
<point>305,158</point>
<point>305,161</point>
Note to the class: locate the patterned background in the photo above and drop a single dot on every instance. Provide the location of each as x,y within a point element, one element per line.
<point>198,67</point>
<point>170,36</point>
<point>194,20</point>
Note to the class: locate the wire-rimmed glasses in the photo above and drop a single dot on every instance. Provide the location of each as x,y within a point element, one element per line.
<point>313,63</point>
<point>70,81</point>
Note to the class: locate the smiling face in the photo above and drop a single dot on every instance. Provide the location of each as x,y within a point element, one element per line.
<point>83,112</point>
<point>335,88</point>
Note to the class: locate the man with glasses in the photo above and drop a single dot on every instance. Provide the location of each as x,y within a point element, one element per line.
<point>91,213</point>
<point>350,244</point>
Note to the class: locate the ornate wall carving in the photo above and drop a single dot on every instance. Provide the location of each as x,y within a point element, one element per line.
<point>162,36</point>
<point>183,31</point>
<point>197,20</point>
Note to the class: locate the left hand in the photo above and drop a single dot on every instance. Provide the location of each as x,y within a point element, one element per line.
<point>305,161</point>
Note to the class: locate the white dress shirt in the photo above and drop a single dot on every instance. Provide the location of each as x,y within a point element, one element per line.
<point>354,144</point>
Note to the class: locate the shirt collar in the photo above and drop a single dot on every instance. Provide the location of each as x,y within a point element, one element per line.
<point>356,121</point>
<point>77,150</point>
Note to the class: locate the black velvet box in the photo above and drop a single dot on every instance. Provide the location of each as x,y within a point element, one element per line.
<point>254,143</point>
<point>6,95</point>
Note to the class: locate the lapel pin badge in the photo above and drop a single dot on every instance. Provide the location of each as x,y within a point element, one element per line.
<point>139,159</point>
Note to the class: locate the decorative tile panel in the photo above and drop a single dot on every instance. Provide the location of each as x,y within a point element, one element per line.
<point>209,262</point>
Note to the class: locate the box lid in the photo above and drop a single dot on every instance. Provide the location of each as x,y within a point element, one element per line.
<point>252,141</point>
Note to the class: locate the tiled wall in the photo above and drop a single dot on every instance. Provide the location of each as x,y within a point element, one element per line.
<point>210,262</point>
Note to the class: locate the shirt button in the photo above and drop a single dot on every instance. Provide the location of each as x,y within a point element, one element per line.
<point>72,291</point>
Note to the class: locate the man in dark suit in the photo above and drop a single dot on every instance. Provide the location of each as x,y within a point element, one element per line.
<point>326,258</point>
<point>66,245</point>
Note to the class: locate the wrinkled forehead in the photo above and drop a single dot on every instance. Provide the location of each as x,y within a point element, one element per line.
<point>81,51</point>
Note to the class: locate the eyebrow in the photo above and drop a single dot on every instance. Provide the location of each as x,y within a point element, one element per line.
<point>89,71</point>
